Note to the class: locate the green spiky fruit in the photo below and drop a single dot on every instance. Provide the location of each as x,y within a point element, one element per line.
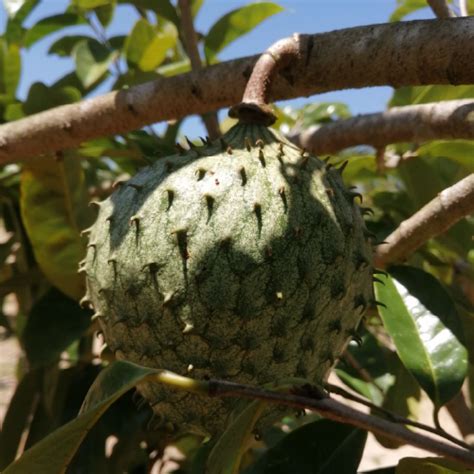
<point>244,259</point>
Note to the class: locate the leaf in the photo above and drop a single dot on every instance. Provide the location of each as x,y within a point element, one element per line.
<point>89,4</point>
<point>105,13</point>
<point>54,322</point>
<point>53,454</point>
<point>92,61</point>
<point>54,210</point>
<point>401,398</point>
<point>405,7</point>
<point>413,95</point>
<point>430,466</point>
<point>10,68</point>
<point>49,25</point>
<point>41,97</point>
<point>64,46</point>
<point>460,151</point>
<point>426,346</point>
<point>146,47</point>
<point>17,417</point>
<point>322,447</point>
<point>236,24</point>
<point>226,455</point>
<point>163,8</point>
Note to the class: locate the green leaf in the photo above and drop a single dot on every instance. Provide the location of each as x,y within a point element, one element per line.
<point>89,4</point>
<point>41,97</point>
<point>54,211</point>
<point>53,454</point>
<point>49,25</point>
<point>430,466</point>
<point>163,8</point>
<point>405,7</point>
<point>426,346</point>
<point>54,322</point>
<point>460,151</point>
<point>146,47</point>
<point>17,417</point>
<point>413,95</point>
<point>236,24</point>
<point>322,447</point>
<point>10,68</point>
<point>226,455</point>
<point>105,13</point>
<point>92,61</point>
<point>64,46</point>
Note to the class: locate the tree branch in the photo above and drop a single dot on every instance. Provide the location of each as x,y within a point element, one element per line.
<point>396,54</point>
<point>190,38</point>
<point>441,8</point>
<point>337,411</point>
<point>414,123</point>
<point>451,205</point>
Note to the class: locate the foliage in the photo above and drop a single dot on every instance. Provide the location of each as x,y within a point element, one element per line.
<point>397,355</point>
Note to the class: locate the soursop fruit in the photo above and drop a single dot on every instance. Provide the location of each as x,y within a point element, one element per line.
<point>244,259</point>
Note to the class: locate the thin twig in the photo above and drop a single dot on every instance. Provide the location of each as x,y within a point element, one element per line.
<point>440,8</point>
<point>412,123</point>
<point>191,43</point>
<point>337,411</point>
<point>437,216</point>
<point>396,418</point>
<point>391,55</point>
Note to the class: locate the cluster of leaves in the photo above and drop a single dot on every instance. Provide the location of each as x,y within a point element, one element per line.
<point>417,343</point>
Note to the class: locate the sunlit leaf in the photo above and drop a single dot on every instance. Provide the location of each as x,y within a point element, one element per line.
<point>54,211</point>
<point>54,322</point>
<point>235,24</point>
<point>405,7</point>
<point>226,455</point>
<point>322,447</point>
<point>146,47</point>
<point>53,454</point>
<point>460,151</point>
<point>92,60</point>
<point>49,25</point>
<point>88,4</point>
<point>413,95</point>
<point>427,347</point>
<point>430,466</point>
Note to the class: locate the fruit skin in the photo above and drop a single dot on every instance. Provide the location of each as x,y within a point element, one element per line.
<point>245,259</point>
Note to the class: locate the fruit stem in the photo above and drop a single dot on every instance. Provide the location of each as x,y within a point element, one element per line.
<point>254,107</point>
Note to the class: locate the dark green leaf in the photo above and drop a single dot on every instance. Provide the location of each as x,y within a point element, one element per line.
<point>17,417</point>
<point>92,61</point>
<point>226,454</point>
<point>322,447</point>
<point>427,348</point>
<point>54,211</point>
<point>49,25</point>
<point>105,13</point>
<point>41,97</point>
<point>146,47</point>
<point>64,46</point>
<point>53,453</point>
<point>10,68</point>
<point>235,24</point>
<point>14,31</point>
<point>54,323</point>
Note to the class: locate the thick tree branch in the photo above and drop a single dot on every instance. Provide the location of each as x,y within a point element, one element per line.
<point>441,8</point>
<point>437,216</point>
<point>190,38</point>
<point>415,123</point>
<point>396,54</point>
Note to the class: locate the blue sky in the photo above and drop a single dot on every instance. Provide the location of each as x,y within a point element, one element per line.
<point>302,16</point>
